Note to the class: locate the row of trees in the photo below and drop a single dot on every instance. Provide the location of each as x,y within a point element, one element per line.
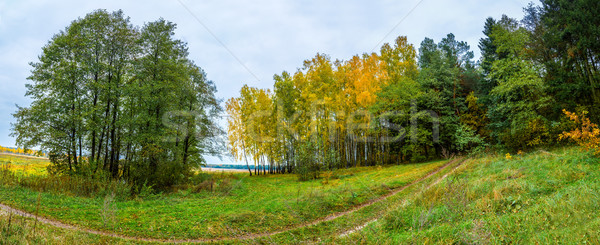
<point>394,106</point>
<point>356,112</point>
<point>115,98</point>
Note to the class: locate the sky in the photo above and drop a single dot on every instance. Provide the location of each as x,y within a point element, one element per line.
<point>244,42</point>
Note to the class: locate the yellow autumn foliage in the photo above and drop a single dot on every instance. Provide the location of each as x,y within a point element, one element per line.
<point>21,151</point>
<point>586,133</point>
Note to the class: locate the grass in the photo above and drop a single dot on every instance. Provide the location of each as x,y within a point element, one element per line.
<point>19,230</point>
<point>328,232</point>
<point>24,166</point>
<point>254,204</point>
<point>538,198</point>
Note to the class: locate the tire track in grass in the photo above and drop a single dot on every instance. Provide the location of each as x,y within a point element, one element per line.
<point>330,217</point>
<point>373,220</point>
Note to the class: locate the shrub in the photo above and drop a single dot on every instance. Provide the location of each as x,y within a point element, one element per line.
<point>225,186</point>
<point>586,133</point>
<point>98,184</point>
<point>467,140</point>
<point>307,166</point>
<point>527,134</point>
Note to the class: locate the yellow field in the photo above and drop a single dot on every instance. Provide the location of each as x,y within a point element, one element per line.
<point>24,165</point>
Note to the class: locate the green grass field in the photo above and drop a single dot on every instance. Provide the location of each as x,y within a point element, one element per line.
<point>540,197</point>
<point>18,230</point>
<point>254,204</point>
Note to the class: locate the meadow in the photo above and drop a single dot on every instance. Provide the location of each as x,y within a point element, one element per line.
<point>409,143</point>
<point>24,165</point>
<point>236,204</point>
<point>539,197</point>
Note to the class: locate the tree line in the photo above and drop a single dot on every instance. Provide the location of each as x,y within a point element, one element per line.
<point>20,151</point>
<point>399,105</point>
<point>126,101</point>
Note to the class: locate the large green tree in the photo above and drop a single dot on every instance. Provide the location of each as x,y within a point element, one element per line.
<point>110,97</point>
<point>447,76</point>
<point>520,100</point>
<point>572,53</point>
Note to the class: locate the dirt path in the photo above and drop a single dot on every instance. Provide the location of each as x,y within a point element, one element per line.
<point>365,224</point>
<point>242,237</point>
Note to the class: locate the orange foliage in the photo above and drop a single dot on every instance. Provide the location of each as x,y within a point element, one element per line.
<point>587,134</point>
<point>365,77</point>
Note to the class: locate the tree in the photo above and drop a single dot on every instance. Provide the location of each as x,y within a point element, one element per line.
<point>447,76</point>
<point>572,51</point>
<point>520,100</point>
<point>110,97</point>
<point>488,53</point>
<point>393,106</point>
<point>475,116</point>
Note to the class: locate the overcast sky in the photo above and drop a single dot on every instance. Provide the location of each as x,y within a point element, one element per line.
<point>264,37</point>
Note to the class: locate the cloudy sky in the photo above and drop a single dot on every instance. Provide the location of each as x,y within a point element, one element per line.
<point>246,41</point>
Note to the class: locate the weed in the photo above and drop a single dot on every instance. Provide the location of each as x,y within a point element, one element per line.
<point>206,185</point>
<point>478,234</point>
<point>456,197</point>
<point>225,186</point>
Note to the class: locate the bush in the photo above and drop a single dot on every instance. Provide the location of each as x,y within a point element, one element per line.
<point>586,133</point>
<point>307,167</point>
<point>466,140</point>
<point>206,185</point>
<point>222,183</point>
<point>225,186</point>
<point>306,172</point>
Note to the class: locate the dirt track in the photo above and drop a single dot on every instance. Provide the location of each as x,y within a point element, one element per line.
<point>375,219</point>
<point>243,237</point>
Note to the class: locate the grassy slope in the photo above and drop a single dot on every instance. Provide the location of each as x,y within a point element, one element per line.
<point>26,231</point>
<point>256,204</point>
<point>328,232</point>
<point>537,198</point>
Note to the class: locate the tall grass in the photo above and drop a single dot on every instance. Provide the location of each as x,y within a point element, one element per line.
<point>536,198</point>
<point>18,230</point>
<point>75,185</point>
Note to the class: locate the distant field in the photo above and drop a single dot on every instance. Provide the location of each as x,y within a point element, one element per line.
<point>208,169</point>
<point>24,165</point>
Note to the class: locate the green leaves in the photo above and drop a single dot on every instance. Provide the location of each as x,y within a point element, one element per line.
<point>112,97</point>
<point>520,100</point>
